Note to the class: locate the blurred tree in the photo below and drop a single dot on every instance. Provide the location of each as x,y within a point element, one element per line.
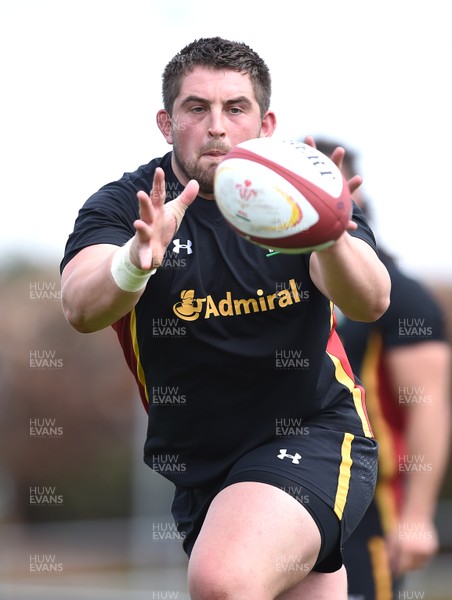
<point>66,408</point>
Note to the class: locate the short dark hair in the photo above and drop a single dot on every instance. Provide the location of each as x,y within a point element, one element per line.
<point>217,53</point>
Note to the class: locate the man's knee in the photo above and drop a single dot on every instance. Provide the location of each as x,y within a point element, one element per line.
<point>213,580</point>
<point>231,577</point>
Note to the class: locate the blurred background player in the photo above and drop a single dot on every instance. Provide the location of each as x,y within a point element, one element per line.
<point>403,360</point>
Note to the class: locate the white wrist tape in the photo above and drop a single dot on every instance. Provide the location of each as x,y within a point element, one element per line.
<point>127,276</point>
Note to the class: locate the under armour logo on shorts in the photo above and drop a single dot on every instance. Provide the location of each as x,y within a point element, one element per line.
<point>178,246</point>
<point>284,454</point>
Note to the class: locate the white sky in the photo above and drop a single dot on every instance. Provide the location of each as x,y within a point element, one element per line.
<point>81,84</point>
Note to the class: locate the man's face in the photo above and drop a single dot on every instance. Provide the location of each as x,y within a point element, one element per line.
<point>215,110</point>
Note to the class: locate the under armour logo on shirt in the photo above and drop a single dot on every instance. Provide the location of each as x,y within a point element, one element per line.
<point>178,246</point>
<point>284,454</point>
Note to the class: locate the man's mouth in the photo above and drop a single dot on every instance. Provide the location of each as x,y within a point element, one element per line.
<point>216,152</point>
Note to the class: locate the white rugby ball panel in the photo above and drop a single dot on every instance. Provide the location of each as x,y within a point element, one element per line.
<point>282,195</point>
<point>298,157</point>
<point>263,203</point>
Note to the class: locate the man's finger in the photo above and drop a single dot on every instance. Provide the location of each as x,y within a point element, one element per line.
<point>158,192</point>
<point>178,206</point>
<point>146,208</point>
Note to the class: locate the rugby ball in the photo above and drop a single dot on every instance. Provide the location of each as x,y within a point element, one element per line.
<point>283,195</point>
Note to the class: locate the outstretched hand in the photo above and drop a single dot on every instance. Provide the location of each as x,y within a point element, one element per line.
<point>158,221</point>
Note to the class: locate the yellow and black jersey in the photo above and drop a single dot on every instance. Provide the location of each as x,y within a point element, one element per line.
<point>231,344</point>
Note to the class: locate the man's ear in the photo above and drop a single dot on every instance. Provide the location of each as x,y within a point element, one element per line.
<point>164,124</point>
<point>268,124</point>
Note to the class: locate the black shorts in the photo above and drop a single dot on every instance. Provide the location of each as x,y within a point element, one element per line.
<point>331,473</point>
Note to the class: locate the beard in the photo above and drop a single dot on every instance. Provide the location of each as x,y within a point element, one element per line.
<point>192,169</point>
